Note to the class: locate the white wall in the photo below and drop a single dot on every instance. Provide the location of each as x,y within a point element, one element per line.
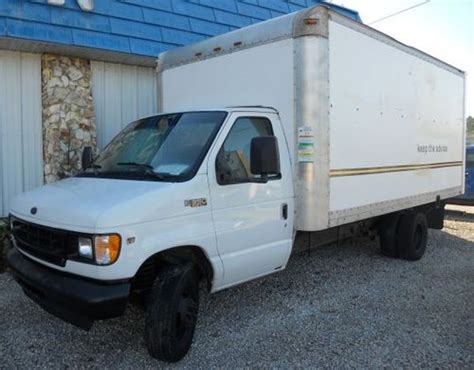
<point>122,93</point>
<point>386,104</point>
<point>21,153</point>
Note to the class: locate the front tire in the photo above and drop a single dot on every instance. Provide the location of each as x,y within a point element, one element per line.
<point>412,235</point>
<point>172,313</point>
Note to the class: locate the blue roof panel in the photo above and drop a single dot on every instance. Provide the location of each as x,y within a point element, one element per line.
<point>141,27</point>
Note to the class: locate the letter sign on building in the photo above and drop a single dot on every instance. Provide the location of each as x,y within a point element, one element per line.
<point>86,5</point>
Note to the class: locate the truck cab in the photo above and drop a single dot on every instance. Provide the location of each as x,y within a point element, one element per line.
<point>206,194</point>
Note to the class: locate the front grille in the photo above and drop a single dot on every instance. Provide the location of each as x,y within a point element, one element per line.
<point>51,245</point>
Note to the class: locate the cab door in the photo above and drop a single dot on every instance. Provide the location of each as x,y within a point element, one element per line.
<point>253,219</point>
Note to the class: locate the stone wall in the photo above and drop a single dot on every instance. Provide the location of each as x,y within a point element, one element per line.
<point>68,114</point>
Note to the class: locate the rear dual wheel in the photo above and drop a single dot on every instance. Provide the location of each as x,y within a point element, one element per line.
<point>413,236</point>
<point>387,230</point>
<point>404,235</point>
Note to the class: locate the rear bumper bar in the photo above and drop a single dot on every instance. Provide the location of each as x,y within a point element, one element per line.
<point>73,299</point>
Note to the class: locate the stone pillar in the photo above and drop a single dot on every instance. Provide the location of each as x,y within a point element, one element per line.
<point>68,114</point>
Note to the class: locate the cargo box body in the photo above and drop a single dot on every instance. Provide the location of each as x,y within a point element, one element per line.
<point>373,126</point>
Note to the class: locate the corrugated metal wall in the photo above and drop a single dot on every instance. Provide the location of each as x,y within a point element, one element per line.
<point>121,94</point>
<point>21,153</point>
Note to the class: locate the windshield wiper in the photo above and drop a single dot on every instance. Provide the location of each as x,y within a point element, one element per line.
<point>147,169</point>
<point>143,166</point>
<point>93,167</point>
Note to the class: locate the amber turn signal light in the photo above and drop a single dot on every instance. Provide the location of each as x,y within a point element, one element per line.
<point>107,249</point>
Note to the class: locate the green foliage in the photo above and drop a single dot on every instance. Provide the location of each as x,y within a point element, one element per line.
<point>470,123</point>
<point>3,227</point>
<point>470,130</point>
<point>3,246</point>
<point>3,230</point>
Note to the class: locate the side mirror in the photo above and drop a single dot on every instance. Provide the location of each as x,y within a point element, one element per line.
<point>264,157</point>
<point>87,157</point>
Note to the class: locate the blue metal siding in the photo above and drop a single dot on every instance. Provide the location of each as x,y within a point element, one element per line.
<point>232,19</point>
<point>161,18</point>
<point>100,40</point>
<point>281,6</point>
<point>119,10</point>
<point>134,29</point>
<point>253,11</point>
<point>67,17</point>
<point>30,30</point>
<point>208,28</point>
<point>143,27</point>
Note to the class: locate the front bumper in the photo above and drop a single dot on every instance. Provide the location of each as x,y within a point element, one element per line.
<point>76,300</point>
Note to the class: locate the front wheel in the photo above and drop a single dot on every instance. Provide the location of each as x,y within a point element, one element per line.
<point>172,313</point>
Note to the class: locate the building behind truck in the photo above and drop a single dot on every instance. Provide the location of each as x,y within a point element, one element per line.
<point>73,73</point>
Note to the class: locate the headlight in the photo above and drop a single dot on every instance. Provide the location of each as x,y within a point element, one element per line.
<point>103,249</point>
<point>85,248</point>
<point>107,249</point>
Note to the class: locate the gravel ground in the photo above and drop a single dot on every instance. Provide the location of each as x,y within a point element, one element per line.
<point>344,306</point>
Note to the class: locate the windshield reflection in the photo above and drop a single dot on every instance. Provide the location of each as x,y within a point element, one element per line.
<point>167,147</point>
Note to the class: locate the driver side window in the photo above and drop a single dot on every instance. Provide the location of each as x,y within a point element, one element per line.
<point>233,160</point>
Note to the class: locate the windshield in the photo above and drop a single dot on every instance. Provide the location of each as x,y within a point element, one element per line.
<point>166,147</point>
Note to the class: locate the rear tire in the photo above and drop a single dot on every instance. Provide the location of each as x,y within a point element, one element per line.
<point>388,233</point>
<point>172,313</point>
<point>412,235</point>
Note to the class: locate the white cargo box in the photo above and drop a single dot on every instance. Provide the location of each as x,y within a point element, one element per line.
<point>373,125</point>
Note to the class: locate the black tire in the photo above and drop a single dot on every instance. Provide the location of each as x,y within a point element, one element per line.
<point>412,235</point>
<point>388,233</point>
<point>172,313</point>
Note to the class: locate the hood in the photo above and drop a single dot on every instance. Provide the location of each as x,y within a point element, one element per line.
<point>96,203</point>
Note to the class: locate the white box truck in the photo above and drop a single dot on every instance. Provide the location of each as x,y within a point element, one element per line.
<point>324,128</point>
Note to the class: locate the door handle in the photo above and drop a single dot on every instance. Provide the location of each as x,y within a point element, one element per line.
<point>284,211</point>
